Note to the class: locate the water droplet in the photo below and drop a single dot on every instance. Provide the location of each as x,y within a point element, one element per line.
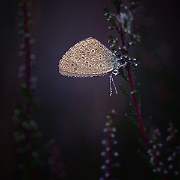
<point>32,56</point>
<point>103,153</point>
<point>28,14</point>
<point>174,154</point>
<point>115,142</point>
<point>33,79</point>
<point>33,124</point>
<point>21,46</point>
<point>117,165</point>
<point>116,154</point>
<point>107,174</point>
<point>107,161</point>
<point>104,142</point>
<point>32,41</point>
<point>103,167</point>
<point>165,171</point>
<point>158,169</point>
<point>105,130</point>
<point>21,53</point>
<point>26,125</point>
<point>157,153</point>
<point>101,178</point>
<point>176,173</point>
<point>170,158</point>
<point>27,35</point>
<point>21,72</point>
<point>152,159</point>
<point>16,111</point>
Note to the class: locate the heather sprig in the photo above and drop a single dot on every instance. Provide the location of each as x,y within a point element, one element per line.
<point>27,132</point>
<point>122,23</point>
<point>110,155</point>
<point>165,166</point>
<point>173,151</point>
<point>164,157</point>
<point>57,167</point>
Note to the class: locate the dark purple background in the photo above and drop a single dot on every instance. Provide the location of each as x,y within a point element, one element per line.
<point>73,110</point>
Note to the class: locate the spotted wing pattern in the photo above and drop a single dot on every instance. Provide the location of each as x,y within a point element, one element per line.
<point>87,58</point>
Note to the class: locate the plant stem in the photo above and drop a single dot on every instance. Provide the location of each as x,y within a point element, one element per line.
<point>134,99</point>
<point>28,86</point>
<point>27,55</point>
<point>138,113</point>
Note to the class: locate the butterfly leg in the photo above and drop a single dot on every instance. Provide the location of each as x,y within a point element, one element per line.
<point>111,81</point>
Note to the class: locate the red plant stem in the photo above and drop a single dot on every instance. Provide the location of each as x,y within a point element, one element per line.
<point>138,113</point>
<point>134,99</point>
<point>27,47</point>
<point>28,85</point>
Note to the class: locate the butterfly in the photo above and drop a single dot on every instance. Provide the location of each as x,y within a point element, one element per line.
<point>90,58</point>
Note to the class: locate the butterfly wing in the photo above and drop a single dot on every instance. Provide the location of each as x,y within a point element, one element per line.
<point>87,58</point>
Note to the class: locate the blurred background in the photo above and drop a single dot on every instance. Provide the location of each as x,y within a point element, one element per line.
<point>73,110</point>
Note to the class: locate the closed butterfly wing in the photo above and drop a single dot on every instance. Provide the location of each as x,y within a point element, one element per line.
<point>87,58</point>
